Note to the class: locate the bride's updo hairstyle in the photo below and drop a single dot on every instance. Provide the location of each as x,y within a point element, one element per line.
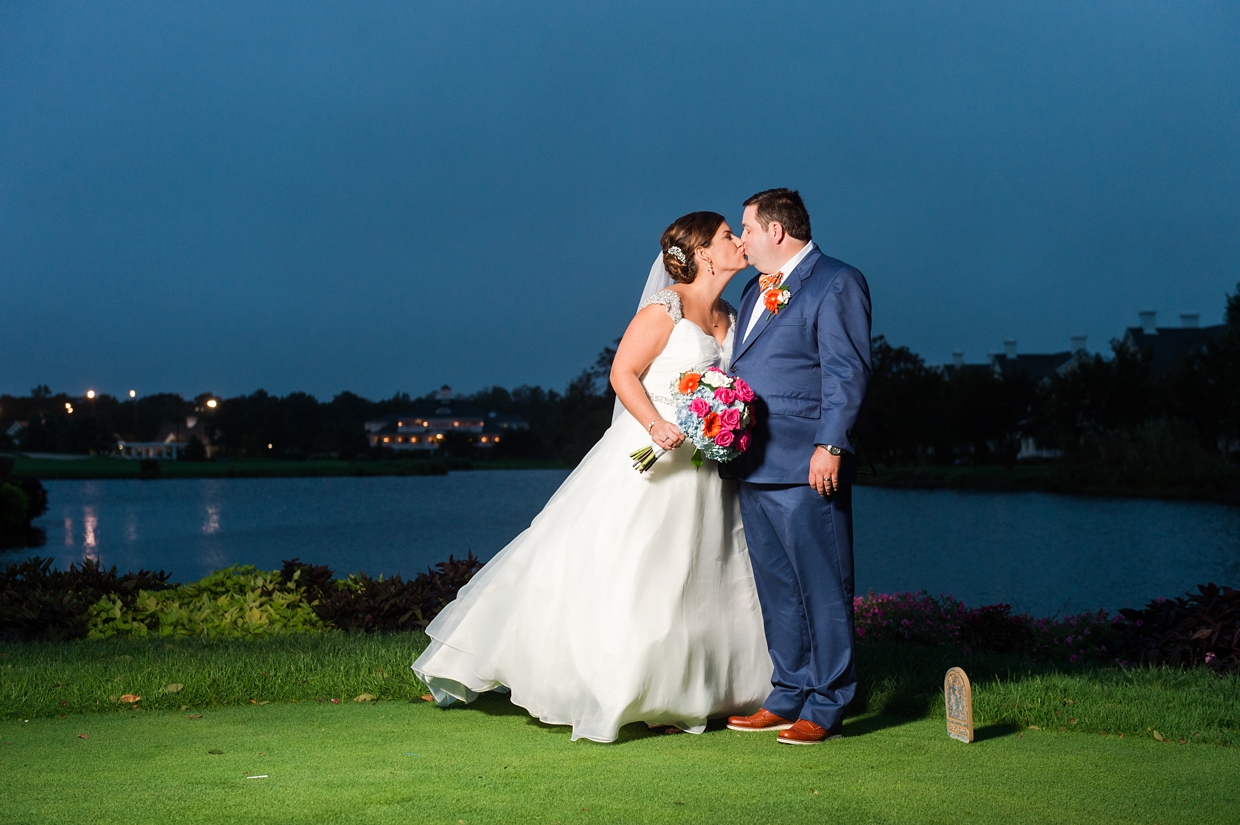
<point>685,236</point>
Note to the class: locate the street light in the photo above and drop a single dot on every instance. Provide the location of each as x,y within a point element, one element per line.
<point>133,393</point>
<point>212,403</point>
<point>90,394</point>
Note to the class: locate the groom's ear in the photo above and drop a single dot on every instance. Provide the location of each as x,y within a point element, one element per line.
<point>777,231</point>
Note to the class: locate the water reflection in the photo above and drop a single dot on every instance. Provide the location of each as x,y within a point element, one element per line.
<point>211,525</point>
<point>90,544</point>
<point>1041,553</point>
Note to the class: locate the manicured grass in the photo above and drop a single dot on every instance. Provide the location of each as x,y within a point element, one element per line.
<point>86,676</point>
<point>404,762</point>
<point>45,680</point>
<point>97,467</point>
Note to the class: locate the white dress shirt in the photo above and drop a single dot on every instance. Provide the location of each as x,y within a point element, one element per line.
<point>787,267</point>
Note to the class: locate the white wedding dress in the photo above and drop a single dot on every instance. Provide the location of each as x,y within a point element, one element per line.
<point>630,598</point>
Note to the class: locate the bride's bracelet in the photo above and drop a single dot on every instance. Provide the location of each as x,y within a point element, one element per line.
<point>650,426</point>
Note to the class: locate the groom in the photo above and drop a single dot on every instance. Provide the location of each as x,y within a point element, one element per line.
<point>803,344</point>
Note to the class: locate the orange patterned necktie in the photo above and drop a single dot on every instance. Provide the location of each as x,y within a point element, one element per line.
<point>766,282</point>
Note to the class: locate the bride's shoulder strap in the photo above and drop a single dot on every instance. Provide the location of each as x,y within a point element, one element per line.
<point>731,311</point>
<point>670,301</point>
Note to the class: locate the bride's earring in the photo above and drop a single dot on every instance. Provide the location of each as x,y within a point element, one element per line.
<point>712,268</point>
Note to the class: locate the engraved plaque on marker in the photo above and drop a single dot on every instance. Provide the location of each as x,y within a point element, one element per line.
<point>958,694</point>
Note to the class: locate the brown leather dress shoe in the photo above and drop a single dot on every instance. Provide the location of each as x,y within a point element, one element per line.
<point>805,732</point>
<point>762,720</point>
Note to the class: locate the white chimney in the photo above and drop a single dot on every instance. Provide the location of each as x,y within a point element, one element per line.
<point>1078,343</point>
<point>1009,349</point>
<point>957,359</point>
<point>1189,320</point>
<point>1149,320</point>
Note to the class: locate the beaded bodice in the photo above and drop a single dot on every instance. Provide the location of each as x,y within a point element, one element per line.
<point>689,347</point>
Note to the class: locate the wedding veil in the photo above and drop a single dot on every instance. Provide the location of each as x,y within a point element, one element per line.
<point>657,280</point>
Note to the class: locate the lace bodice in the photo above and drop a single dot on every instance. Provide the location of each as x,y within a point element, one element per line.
<point>689,347</point>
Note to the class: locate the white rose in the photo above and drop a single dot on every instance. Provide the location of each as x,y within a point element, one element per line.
<point>715,379</point>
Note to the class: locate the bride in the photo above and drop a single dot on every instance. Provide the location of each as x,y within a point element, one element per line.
<point>630,597</point>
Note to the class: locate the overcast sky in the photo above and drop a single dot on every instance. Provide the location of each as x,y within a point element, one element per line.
<point>389,197</point>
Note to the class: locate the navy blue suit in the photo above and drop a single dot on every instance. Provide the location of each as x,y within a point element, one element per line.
<point>809,366</point>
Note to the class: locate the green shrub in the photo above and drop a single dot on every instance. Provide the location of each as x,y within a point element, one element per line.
<point>39,603</point>
<point>14,504</point>
<point>383,604</point>
<point>236,602</point>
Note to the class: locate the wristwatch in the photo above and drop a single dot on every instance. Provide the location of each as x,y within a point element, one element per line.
<point>832,449</point>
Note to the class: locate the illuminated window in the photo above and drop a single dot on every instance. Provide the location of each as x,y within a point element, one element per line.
<point>400,439</point>
<point>386,439</point>
<point>413,439</point>
<point>484,439</point>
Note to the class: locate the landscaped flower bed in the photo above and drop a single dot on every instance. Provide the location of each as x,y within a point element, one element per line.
<point>1196,629</point>
<point>37,602</point>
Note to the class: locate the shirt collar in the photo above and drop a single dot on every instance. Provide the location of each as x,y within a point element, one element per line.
<point>795,261</point>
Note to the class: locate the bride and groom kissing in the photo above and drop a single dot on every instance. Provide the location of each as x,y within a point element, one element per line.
<point>684,594</point>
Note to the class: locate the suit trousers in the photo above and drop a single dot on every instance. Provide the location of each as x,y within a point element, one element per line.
<point>800,544</point>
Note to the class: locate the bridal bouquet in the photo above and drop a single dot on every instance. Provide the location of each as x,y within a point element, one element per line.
<point>712,410</point>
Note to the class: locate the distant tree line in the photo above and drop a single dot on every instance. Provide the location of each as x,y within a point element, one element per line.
<point>1111,414</point>
<point>563,425</point>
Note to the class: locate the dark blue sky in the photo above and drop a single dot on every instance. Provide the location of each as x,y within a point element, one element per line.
<point>383,197</point>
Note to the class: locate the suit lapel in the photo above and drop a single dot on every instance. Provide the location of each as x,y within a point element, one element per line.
<point>793,284</point>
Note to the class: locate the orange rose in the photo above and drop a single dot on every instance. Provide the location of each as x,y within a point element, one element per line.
<point>688,383</point>
<point>711,426</point>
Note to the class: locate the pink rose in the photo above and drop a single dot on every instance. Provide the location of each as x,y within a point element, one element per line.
<point>713,369</point>
<point>730,418</point>
<point>699,407</point>
<point>724,439</point>
<point>725,396</point>
<point>742,443</point>
<point>743,391</point>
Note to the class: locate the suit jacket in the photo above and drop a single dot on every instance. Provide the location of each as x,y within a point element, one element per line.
<point>808,365</point>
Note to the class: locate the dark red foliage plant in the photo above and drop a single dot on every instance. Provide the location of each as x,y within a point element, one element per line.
<point>1201,628</point>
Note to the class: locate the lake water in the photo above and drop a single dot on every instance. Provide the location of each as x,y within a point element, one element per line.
<point>1041,553</point>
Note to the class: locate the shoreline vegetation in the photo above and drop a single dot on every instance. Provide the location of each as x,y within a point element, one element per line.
<point>99,467</point>
<point>1031,477</point>
<point>88,639</point>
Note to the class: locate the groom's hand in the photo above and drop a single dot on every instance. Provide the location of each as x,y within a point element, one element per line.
<point>824,471</point>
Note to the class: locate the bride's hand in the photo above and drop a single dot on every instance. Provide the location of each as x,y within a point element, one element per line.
<point>666,435</point>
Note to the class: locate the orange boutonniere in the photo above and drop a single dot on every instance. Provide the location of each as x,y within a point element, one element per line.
<point>775,299</point>
<point>688,383</point>
<point>774,296</point>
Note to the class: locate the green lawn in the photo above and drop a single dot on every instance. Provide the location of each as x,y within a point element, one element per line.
<point>1041,754</point>
<point>403,762</point>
